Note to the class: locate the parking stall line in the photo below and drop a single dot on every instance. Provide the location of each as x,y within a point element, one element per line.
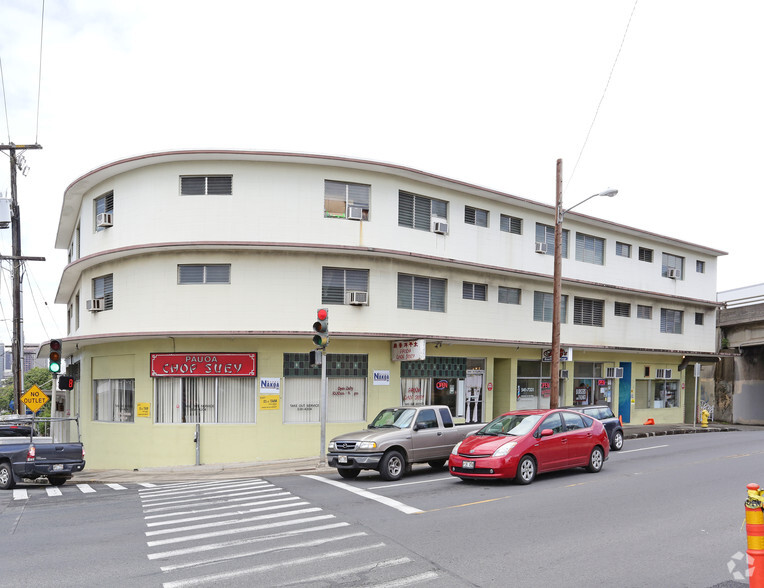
<point>641,449</point>
<point>397,505</point>
<point>411,483</point>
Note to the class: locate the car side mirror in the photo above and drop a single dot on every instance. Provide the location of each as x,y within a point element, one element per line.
<point>417,426</point>
<point>547,433</point>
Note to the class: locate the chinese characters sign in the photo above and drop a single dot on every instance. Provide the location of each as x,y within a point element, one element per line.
<point>203,364</point>
<point>409,350</point>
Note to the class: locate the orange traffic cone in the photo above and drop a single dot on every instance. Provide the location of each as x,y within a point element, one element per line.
<point>649,422</point>
<point>620,419</point>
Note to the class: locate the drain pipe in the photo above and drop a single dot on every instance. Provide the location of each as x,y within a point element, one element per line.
<point>197,441</point>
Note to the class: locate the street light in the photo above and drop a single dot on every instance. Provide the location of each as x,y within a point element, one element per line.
<point>554,399</point>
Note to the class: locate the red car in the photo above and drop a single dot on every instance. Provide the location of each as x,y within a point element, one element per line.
<point>523,443</point>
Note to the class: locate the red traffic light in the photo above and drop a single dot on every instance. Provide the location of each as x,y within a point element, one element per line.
<point>55,345</point>
<point>322,314</point>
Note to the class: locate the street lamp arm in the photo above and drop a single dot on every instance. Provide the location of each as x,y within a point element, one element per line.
<point>608,193</point>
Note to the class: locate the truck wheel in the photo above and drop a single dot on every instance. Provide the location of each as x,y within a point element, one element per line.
<point>56,481</point>
<point>349,473</point>
<point>392,466</point>
<point>437,464</point>
<point>6,477</point>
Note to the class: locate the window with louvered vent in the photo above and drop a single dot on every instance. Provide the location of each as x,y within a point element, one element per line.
<point>206,185</point>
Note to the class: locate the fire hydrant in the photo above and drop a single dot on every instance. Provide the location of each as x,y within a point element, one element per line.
<point>704,418</point>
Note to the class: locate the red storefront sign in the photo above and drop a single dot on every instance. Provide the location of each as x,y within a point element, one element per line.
<point>203,364</point>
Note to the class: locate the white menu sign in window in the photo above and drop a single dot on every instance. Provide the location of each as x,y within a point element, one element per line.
<point>409,350</point>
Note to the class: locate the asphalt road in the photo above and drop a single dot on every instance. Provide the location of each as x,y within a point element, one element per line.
<point>665,511</point>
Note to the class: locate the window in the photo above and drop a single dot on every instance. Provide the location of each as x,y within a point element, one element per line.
<point>511,224</point>
<point>345,200</point>
<point>700,266</point>
<point>509,295</point>
<point>472,291</point>
<point>645,254</point>
<point>426,419</point>
<point>590,249</point>
<point>644,312</point>
<point>103,287</point>
<point>622,309</point>
<point>475,216</point>
<point>337,282</point>
<point>543,303</point>
<point>420,293</point>
<point>416,212</point>
<point>672,262</point>
<point>545,234</point>
<point>103,205</point>
<point>587,311</point>
<point>206,185</point>
<point>574,421</point>
<point>671,321</point>
<point>656,394</point>
<point>205,400</point>
<point>204,274</point>
<point>622,249</point>
<point>699,318</point>
<point>113,400</point>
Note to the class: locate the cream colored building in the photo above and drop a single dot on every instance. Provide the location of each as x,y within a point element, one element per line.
<point>194,278</point>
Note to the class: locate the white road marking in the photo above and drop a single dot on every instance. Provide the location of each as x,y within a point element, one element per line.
<point>642,449</point>
<point>235,531</point>
<point>276,515</point>
<point>20,494</point>
<point>240,542</point>
<point>404,508</point>
<point>53,491</point>
<point>224,507</point>
<point>222,577</point>
<point>350,571</point>
<point>174,504</point>
<point>424,577</point>
<point>228,514</point>
<point>116,486</point>
<point>85,488</point>
<point>208,488</point>
<point>410,483</point>
<point>147,485</point>
<point>279,548</point>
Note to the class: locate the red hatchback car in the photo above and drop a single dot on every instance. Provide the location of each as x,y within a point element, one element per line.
<point>523,443</point>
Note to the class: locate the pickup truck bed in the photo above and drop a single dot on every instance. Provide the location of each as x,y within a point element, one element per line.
<point>397,438</point>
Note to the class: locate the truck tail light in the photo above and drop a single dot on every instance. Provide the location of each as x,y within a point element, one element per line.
<point>31,452</point>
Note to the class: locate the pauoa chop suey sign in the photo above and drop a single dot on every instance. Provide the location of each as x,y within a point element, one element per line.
<point>203,364</point>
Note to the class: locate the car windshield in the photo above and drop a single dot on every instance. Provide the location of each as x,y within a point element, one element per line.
<point>511,424</point>
<point>393,417</point>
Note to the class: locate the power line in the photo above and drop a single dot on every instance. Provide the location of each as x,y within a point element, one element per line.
<point>39,75</point>
<point>599,104</point>
<point>5,103</point>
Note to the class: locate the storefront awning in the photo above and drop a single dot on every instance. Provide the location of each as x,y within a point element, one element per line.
<point>689,359</point>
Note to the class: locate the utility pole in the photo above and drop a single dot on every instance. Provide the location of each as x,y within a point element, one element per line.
<point>16,258</point>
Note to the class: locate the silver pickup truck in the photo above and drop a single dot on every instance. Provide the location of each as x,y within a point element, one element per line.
<point>397,438</point>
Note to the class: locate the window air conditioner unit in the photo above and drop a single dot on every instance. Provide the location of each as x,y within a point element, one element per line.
<point>674,274</point>
<point>540,247</point>
<point>563,374</point>
<point>613,373</point>
<point>94,305</point>
<point>355,213</point>
<point>440,227</point>
<point>663,373</point>
<point>105,219</point>
<point>358,297</point>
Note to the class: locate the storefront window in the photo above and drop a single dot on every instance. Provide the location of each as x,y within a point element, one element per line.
<point>589,387</point>
<point>113,400</point>
<point>346,400</point>
<point>534,385</point>
<point>656,394</point>
<point>205,400</point>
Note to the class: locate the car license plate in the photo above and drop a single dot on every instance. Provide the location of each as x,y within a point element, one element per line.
<point>468,465</point>
<point>57,467</point>
<point>342,459</point>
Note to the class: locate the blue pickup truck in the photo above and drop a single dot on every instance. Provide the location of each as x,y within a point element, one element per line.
<point>28,450</point>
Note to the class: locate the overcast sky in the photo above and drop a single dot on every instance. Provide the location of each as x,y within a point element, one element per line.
<point>486,92</point>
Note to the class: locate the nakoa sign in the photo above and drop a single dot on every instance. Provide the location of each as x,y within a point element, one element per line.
<point>203,364</point>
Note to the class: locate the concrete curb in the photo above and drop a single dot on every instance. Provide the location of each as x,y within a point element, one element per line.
<point>661,432</point>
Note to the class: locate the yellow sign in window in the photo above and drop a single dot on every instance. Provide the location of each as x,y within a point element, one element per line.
<point>269,402</point>
<point>34,398</point>
<point>143,409</point>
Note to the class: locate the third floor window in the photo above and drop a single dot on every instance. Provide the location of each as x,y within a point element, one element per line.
<point>590,249</point>
<point>206,185</point>
<point>346,200</point>
<point>418,212</point>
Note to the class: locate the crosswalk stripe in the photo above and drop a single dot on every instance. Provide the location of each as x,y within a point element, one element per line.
<point>265,517</point>
<point>233,503</point>
<point>53,491</point>
<point>415,579</point>
<point>147,485</point>
<point>116,486</point>
<point>229,514</point>
<point>85,488</point>
<point>20,494</point>
<point>377,565</point>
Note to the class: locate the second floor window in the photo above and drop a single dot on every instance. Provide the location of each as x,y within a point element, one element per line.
<point>622,249</point>
<point>543,305</point>
<point>336,282</point>
<point>671,321</point>
<point>206,185</point>
<point>421,293</point>
<point>103,205</point>
<point>622,309</point>
<point>103,287</point>
<point>417,212</point>
<point>587,311</point>
<point>204,274</point>
<point>545,234</point>
<point>472,291</point>
<point>644,312</point>
<point>700,266</point>
<point>645,254</point>
<point>590,249</point>
<point>509,295</point>
<point>475,216</point>
<point>511,224</point>
<point>346,200</point>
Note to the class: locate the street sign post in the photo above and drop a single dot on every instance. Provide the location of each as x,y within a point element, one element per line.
<point>34,398</point>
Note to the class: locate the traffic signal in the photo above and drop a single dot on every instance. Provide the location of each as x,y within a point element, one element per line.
<point>65,383</point>
<point>54,358</point>
<point>321,328</point>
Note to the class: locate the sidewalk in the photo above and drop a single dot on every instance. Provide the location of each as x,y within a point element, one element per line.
<point>229,471</point>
